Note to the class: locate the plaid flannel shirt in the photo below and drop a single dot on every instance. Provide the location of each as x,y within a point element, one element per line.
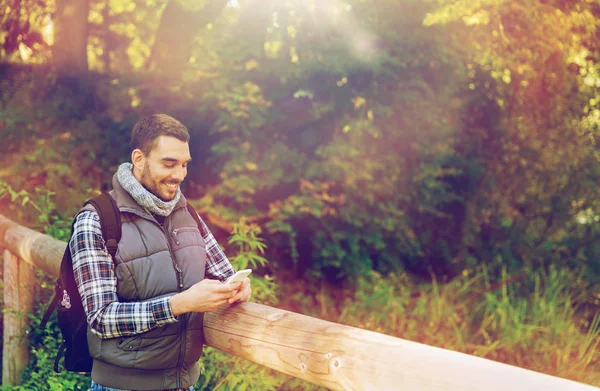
<point>97,282</point>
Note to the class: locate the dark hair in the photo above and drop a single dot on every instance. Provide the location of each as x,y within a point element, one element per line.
<point>147,130</point>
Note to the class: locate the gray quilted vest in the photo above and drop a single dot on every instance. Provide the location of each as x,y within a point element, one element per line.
<point>153,261</point>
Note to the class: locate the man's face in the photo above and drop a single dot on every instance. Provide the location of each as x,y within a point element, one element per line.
<point>165,167</point>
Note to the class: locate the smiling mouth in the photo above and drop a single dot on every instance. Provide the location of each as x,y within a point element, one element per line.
<point>172,186</point>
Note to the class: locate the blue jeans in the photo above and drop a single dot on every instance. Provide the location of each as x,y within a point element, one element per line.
<point>97,387</point>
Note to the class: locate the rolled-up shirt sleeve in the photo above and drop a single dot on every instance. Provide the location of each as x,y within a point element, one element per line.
<point>97,284</point>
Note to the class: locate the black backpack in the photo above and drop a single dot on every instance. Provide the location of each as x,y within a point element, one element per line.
<point>71,315</point>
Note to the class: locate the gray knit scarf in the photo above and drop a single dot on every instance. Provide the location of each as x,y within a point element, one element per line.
<point>141,195</point>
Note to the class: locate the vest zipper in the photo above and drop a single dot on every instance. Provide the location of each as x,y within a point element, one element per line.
<point>184,317</point>
<point>175,265</point>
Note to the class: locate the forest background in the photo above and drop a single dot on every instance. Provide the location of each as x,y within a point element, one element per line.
<point>427,169</point>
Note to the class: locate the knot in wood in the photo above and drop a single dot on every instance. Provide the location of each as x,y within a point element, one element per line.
<point>275,316</point>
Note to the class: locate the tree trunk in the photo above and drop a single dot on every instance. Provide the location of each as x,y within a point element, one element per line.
<point>175,36</point>
<point>70,37</point>
<point>106,31</point>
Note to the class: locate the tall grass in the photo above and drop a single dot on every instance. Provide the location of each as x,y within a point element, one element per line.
<point>534,324</point>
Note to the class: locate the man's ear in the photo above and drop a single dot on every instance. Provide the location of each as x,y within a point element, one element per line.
<point>137,158</point>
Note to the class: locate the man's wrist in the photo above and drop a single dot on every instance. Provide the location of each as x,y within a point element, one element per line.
<point>178,304</point>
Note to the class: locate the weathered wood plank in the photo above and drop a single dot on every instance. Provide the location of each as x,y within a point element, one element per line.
<point>27,290</point>
<point>11,274</point>
<point>24,251</point>
<point>346,358</point>
<point>17,305</point>
<point>33,247</point>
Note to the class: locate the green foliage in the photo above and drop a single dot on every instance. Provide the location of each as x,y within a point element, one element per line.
<point>525,193</point>
<point>357,140</point>
<point>39,374</point>
<point>394,162</point>
<point>245,237</point>
<point>53,223</point>
<point>224,372</point>
<point>248,255</point>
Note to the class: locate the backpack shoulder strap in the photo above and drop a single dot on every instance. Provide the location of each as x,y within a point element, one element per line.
<point>110,221</point>
<point>194,214</point>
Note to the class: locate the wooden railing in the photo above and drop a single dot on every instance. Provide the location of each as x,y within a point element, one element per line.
<point>324,353</point>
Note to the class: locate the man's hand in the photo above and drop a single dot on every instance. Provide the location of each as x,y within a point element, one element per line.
<point>204,296</point>
<point>243,293</point>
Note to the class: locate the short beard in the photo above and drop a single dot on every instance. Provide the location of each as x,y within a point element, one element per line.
<point>150,185</point>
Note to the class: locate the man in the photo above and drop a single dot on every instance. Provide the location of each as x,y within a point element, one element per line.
<point>145,310</point>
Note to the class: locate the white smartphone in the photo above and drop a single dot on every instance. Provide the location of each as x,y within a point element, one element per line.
<point>239,276</point>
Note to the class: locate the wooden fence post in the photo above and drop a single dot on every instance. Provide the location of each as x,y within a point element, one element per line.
<point>18,303</point>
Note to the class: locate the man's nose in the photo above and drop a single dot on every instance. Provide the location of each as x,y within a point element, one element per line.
<point>179,173</point>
